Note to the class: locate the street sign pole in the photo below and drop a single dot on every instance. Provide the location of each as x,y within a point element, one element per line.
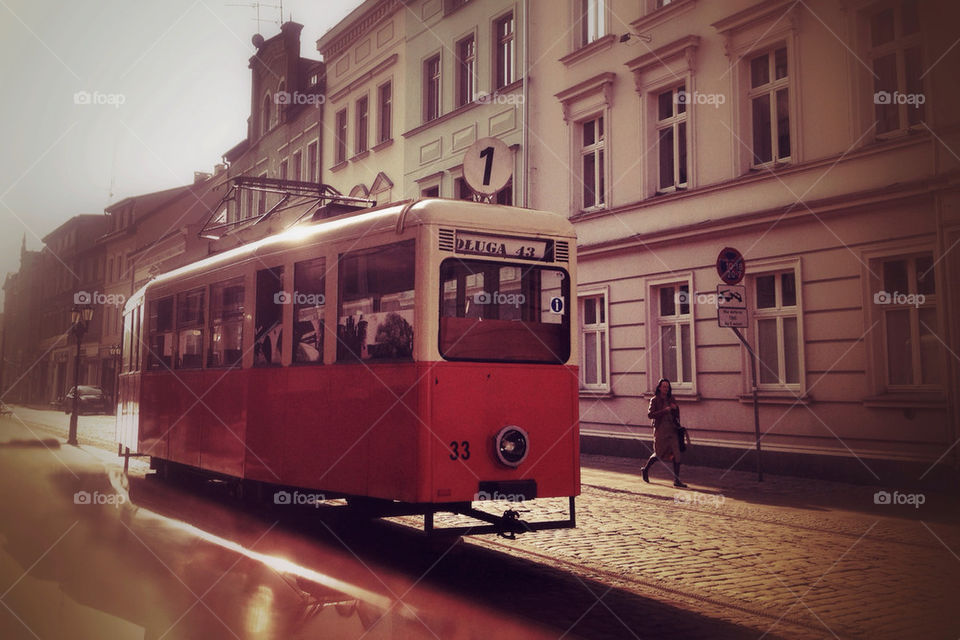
<point>756,406</point>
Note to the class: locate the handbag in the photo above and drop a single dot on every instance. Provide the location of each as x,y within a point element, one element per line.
<point>682,435</point>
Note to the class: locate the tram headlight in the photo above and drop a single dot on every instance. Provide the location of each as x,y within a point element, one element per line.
<point>512,445</point>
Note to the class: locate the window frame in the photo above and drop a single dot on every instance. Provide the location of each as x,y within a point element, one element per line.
<point>673,123</point>
<point>505,51</point>
<point>605,386</point>
<point>385,112</point>
<point>765,268</point>
<point>655,321</point>
<point>770,89</point>
<point>466,80</point>
<point>876,317</point>
<point>898,47</point>
<point>432,81</point>
<point>200,325</point>
<point>340,136</point>
<point>597,148</point>
<point>214,322</point>
<point>362,127</point>
<point>583,12</point>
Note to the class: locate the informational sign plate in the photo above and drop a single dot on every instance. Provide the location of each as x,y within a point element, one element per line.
<point>730,265</point>
<point>732,318</point>
<point>487,166</point>
<point>501,246</point>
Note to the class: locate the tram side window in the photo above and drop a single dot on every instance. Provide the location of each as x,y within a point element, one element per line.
<point>136,348</point>
<point>161,334</point>
<point>375,312</point>
<point>127,362</point>
<point>226,323</point>
<point>190,329</point>
<point>308,310</point>
<point>268,340</point>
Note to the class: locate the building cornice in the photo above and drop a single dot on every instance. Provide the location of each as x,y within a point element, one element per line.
<point>337,39</point>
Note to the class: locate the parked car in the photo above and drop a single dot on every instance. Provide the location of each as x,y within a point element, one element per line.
<point>92,400</point>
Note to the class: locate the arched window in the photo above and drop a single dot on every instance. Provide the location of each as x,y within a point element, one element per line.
<point>265,115</point>
<point>282,98</point>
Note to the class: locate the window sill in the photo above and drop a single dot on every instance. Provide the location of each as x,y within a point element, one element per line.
<point>777,397</point>
<point>916,400</point>
<point>382,145</point>
<point>661,14</point>
<point>360,156</point>
<point>598,45</point>
<point>771,166</point>
<point>340,165</point>
<point>596,393</point>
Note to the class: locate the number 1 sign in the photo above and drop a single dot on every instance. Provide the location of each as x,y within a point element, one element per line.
<point>487,166</point>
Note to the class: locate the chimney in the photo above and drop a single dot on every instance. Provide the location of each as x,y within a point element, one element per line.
<point>200,176</point>
<point>219,168</point>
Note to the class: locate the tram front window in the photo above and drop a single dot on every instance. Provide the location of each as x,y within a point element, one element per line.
<point>491,311</point>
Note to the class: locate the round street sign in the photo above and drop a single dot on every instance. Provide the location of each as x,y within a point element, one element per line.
<point>487,166</point>
<point>730,266</point>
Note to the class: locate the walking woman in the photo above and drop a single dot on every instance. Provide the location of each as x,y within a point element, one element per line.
<point>665,414</point>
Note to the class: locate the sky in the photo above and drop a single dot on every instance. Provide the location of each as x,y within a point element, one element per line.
<point>107,99</point>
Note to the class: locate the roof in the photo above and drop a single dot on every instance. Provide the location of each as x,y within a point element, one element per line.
<point>457,213</point>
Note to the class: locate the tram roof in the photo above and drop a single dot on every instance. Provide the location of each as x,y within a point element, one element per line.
<point>457,213</point>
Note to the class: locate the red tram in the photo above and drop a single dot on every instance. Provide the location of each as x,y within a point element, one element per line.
<point>414,357</point>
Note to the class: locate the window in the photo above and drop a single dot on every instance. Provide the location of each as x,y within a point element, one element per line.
<point>283,170</point>
<point>770,107</point>
<point>268,324</point>
<point>506,51</point>
<point>341,137</point>
<point>265,115</point>
<point>466,70</point>
<point>431,88</point>
<point>385,100</point>
<point>160,331</point>
<point>308,309</point>
<point>674,333</point>
<point>897,58</point>
<point>592,162</point>
<point>672,139</point>
<point>312,175</point>
<point>491,311</point>
<point>190,329</point>
<point>593,343</point>
<point>226,324</point>
<point>505,195</point>
<point>430,192</point>
<point>295,168</point>
<point>777,339</point>
<point>362,125</point>
<point>375,314</point>
<point>591,21</point>
<point>913,353</point>
<point>462,190</point>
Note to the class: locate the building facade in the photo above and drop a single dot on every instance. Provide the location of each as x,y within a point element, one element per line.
<point>816,139</point>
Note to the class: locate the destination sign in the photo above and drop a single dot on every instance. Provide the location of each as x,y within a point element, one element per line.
<point>501,246</point>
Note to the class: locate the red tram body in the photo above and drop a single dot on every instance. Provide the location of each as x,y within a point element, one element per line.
<point>421,354</point>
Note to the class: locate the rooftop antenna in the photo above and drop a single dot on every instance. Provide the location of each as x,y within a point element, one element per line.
<point>257,5</point>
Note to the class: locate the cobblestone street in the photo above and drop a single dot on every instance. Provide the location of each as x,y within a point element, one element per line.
<point>789,557</point>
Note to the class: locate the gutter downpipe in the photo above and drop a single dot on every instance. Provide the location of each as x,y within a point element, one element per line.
<point>526,104</point>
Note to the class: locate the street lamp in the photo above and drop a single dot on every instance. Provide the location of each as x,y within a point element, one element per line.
<point>80,316</point>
